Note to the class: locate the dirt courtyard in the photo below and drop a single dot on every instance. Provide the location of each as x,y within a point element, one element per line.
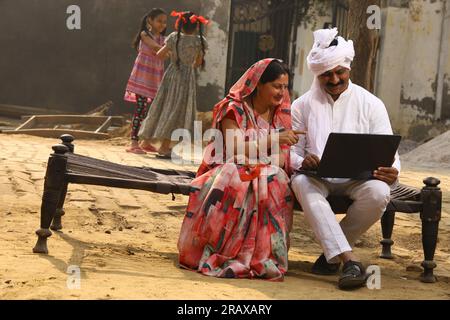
<point>124,241</point>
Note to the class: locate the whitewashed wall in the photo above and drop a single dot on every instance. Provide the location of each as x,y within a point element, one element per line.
<point>212,79</point>
<point>408,65</point>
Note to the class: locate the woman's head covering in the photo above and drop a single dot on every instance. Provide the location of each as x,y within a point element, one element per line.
<point>244,87</point>
<point>235,101</point>
<point>329,51</point>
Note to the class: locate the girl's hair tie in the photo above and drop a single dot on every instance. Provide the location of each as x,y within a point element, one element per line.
<point>180,16</point>
<point>200,19</point>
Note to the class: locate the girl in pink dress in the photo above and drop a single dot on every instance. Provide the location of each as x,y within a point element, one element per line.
<point>147,72</point>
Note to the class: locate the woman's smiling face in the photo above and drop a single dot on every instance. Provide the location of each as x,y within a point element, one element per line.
<point>273,92</point>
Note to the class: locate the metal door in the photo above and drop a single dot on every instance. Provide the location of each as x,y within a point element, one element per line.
<point>260,29</point>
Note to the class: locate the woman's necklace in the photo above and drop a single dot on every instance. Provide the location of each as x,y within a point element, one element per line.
<point>266,115</point>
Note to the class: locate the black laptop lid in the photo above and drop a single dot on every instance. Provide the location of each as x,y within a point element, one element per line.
<point>356,155</point>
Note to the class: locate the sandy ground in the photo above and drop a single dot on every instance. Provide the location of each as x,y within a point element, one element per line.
<point>124,241</point>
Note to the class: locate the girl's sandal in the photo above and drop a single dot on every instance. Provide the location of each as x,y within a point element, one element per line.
<point>149,149</point>
<point>136,150</point>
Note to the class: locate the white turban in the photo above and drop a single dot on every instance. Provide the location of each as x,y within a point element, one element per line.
<point>323,58</point>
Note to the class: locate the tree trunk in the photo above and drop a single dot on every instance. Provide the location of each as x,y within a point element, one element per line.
<point>365,41</point>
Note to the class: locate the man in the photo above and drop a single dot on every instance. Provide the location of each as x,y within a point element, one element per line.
<point>335,104</point>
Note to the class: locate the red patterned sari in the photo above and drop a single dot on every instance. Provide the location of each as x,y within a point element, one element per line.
<point>238,217</point>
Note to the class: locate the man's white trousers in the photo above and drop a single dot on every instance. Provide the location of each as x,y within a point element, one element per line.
<point>370,198</point>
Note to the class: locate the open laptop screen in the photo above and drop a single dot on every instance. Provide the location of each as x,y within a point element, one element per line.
<point>356,155</point>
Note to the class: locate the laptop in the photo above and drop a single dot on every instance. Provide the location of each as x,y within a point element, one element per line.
<point>355,155</point>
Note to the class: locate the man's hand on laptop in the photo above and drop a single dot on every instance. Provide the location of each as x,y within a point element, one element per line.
<point>386,174</point>
<point>310,162</point>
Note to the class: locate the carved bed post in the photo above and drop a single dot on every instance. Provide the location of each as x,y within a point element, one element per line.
<point>430,215</point>
<point>387,225</point>
<point>54,182</point>
<point>67,140</point>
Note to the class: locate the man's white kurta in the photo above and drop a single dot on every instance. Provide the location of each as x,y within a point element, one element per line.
<point>356,111</point>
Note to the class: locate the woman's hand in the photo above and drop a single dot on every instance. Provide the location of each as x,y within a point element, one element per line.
<point>289,137</point>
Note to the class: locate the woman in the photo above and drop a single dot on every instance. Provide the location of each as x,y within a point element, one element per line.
<point>239,216</point>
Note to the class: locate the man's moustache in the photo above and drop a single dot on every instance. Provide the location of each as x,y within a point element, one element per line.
<point>331,85</point>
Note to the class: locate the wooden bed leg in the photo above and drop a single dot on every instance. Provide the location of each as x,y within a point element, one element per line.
<point>54,183</point>
<point>430,215</point>
<point>387,225</point>
<point>67,140</point>
<point>59,212</point>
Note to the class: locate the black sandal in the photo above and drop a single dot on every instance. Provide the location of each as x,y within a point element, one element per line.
<point>353,275</point>
<point>322,267</point>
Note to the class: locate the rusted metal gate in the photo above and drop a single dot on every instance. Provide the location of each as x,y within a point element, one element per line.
<point>260,29</point>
